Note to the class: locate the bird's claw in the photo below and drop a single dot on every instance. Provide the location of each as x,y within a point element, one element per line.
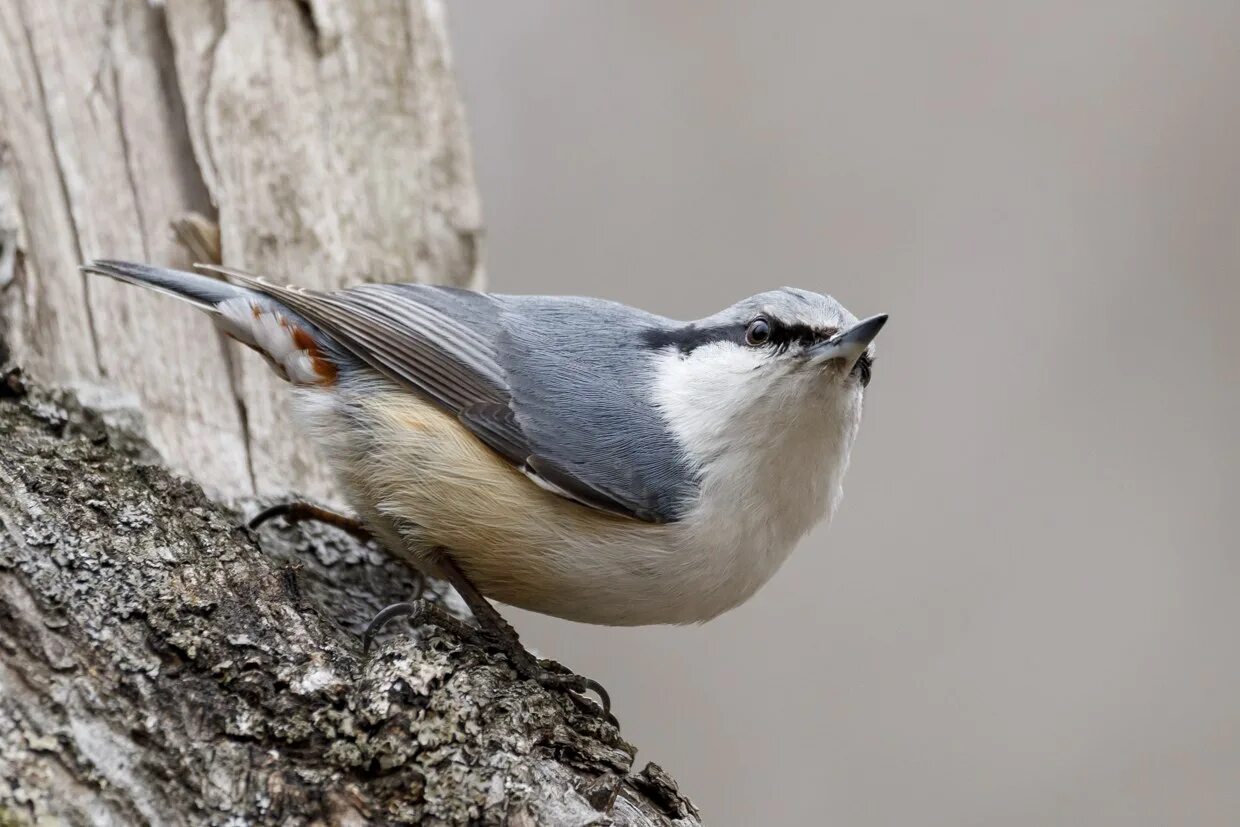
<point>575,686</point>
<point>299,511</point>
<point>555,676</point>
<point>420,613</point>
<point>546,673</point>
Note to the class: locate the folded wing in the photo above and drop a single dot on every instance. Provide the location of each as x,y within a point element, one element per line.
<point>458,349</point>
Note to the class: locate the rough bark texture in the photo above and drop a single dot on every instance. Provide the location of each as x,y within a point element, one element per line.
<point>160,664</point>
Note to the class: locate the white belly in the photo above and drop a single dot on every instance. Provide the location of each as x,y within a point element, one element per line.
<point>422,481</point>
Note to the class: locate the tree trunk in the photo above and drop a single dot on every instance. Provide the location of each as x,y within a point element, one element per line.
<point>325,138</point>
<point>157,664</point>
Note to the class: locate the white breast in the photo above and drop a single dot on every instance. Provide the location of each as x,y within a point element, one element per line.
<point>421,480</point>
<point>773,447</point>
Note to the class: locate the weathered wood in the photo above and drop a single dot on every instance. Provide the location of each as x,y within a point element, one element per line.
<point>158,667</point>
<point>101,160</point>
<point>331,136</point>
<point>326,138</point>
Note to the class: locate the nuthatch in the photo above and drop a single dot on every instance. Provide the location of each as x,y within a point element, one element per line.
<point>571,456</point>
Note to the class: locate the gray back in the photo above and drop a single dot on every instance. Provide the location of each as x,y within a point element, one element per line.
<point>578,371</point>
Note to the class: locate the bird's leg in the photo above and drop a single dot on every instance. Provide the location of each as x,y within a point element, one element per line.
<point>499,633</point>
<point>301,511</point>
<point>420,613</point>
<point>546,673</point>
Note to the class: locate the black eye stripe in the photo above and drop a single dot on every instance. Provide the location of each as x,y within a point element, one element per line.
<point>690,337</point>
<point>785,335</point>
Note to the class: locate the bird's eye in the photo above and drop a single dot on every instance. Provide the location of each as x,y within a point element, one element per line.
<point>758,332</point>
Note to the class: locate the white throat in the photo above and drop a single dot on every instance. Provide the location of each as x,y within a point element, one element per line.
<point>771,443</point>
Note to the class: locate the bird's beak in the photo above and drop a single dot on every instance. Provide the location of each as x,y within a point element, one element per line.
<point>849,344</point>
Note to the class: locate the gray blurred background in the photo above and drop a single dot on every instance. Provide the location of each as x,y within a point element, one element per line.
<point>1026,611</point>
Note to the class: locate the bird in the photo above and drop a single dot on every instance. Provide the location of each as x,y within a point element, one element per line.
<point>571,456</point>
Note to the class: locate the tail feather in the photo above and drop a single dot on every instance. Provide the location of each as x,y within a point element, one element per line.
<point>201,291</point>
<point>295,349</point>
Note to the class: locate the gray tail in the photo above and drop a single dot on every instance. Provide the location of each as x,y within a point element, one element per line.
<point>202,291</point>
<point>295,349</point>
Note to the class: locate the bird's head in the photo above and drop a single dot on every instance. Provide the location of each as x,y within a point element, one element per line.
<point>771,360</point>
<point>764,399</point>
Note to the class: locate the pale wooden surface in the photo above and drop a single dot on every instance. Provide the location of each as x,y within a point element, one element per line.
<point>328,140</point>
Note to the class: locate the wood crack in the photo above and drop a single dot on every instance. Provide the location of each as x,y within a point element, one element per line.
<point>212,179</point>
<point>243,415</point>
<point>230,360</point>
<point>127,151</point>
<point>63,184</point>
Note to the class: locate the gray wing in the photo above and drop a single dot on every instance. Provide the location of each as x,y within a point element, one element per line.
<point>522,376</point>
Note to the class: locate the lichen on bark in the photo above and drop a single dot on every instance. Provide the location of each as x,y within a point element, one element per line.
<point>162,664</point>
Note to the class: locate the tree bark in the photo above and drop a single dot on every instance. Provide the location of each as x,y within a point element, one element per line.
<point>160,664</point>
<point>325,137</point>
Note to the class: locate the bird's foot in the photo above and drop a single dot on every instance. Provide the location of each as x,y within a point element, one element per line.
<point>504,638</point>
<point>555,676</point>
<point>546,673</point>
<point>299,511</point>
<point>493,632</point>
<point>422,613</point>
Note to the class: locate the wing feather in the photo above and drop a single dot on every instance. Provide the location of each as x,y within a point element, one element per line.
<point>452,358</point>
